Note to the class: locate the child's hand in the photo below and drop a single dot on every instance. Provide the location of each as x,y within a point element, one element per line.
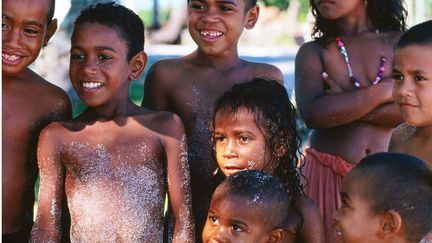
<point>333,87</point>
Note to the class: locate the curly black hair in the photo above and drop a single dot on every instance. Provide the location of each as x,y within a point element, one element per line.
<point>385,15</point>
<point>275,115</point>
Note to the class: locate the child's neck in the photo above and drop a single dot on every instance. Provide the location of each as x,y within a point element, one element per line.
<point>354,25</point>
<point>424,133</point>
<point>109,112</point>
<point>223,61</point>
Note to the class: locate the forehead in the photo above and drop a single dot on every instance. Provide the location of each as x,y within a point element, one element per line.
<point>26,10</point>
<point>90,33</point>
<point>230,206</point>
<point>241,115</point>
<point>414,56</point>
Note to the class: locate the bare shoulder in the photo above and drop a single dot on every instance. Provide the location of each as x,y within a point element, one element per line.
<point>308,50</point>
<point>266,71</point>
<point>163,122</point>
<point>306,206</point>
<point>42,86</point>
<point>166,70</point>
<point>400,136</point>
<point>53,132</point>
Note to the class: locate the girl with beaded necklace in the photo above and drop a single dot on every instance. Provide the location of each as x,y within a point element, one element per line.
<point>343,91</point>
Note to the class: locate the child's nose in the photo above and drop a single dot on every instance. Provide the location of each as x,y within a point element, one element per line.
<point>12,38</point>
<point>230,149</point>
<point>405,88</point>
<point>211,16</point>
<point>91,65</point>
<point>220,235</point>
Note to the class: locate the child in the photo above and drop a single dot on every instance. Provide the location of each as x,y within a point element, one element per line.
<point>250,206</point>
<point>29,104</point>
<point>412,91</point>
<point>343,91</point>
<point>188,86</point>
<point>255,128</point>
<point>115,161</point>
<point>387,197</point>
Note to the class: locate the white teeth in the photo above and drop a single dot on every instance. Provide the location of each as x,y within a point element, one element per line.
<point>91,85</point>
<point>10,57</point>
<point>211,33</point>
<point>338,233</point>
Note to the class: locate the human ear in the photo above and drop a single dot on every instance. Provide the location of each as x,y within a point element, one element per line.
<point>391,224</point>
<point>51,29</point>
<point>137,64</point>
<point>275,235</point>
<point>252,17</point>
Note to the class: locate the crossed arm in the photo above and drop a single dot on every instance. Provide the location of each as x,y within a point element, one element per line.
<point>322,108</point>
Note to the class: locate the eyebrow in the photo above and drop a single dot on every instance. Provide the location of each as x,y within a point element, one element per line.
<point>227,2</point>
<point>27,22</point>
<point>100,48</point>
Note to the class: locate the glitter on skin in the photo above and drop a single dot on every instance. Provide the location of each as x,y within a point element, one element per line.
<point>105,195</point>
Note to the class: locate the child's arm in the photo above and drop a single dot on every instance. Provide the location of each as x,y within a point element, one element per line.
<point>386,115</point>
<point>52,175</point>
<point>322,110</point>
<point>179,182</point>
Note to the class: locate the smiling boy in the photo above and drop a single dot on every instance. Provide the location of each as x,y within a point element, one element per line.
<point>29,104</point>
<point>116,161</point>
<point>189,85</point>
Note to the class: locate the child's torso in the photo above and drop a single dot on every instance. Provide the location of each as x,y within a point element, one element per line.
<point>115,183</point>
<point>357,139</point>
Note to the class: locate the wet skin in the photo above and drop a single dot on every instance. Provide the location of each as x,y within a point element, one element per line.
<point>189,86</point>
<point>29,104</point>
<point>123,173</point>
<point>348,122</point>
<point>413,93</point>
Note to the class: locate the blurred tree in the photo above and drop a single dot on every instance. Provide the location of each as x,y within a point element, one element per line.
<point>281,4</point>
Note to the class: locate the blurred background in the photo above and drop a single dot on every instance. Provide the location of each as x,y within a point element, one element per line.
<point>282,27</point>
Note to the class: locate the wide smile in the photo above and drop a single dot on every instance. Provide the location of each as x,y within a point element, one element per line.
<point>91,86</point>
<point>210,35</point>
<point>11,59</point>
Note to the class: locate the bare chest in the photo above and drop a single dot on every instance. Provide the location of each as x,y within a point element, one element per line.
<point>362,59</point>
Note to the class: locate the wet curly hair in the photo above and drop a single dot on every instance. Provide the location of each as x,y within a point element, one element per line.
<point>275,115</point>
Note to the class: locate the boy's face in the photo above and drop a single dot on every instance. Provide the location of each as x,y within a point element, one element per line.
<point>412,90</point>
<point>232,219</point>
<point>216,25</point>
<point>24,31</point>
<point>354,221</point>
<point>240,144</point>
<point>99,69</point>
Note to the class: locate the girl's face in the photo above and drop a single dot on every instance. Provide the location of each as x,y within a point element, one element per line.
<point>412,90</point>
<point>240,144</point>
<point>336,9</point>
<point>355,221</point>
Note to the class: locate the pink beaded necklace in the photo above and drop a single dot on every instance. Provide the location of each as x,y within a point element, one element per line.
<point>354,81</point>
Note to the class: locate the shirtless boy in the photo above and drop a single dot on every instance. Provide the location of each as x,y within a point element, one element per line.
<point>188,86</point>
<point>412,91</point>
<point>29,104</point>
<point>116,160</point>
